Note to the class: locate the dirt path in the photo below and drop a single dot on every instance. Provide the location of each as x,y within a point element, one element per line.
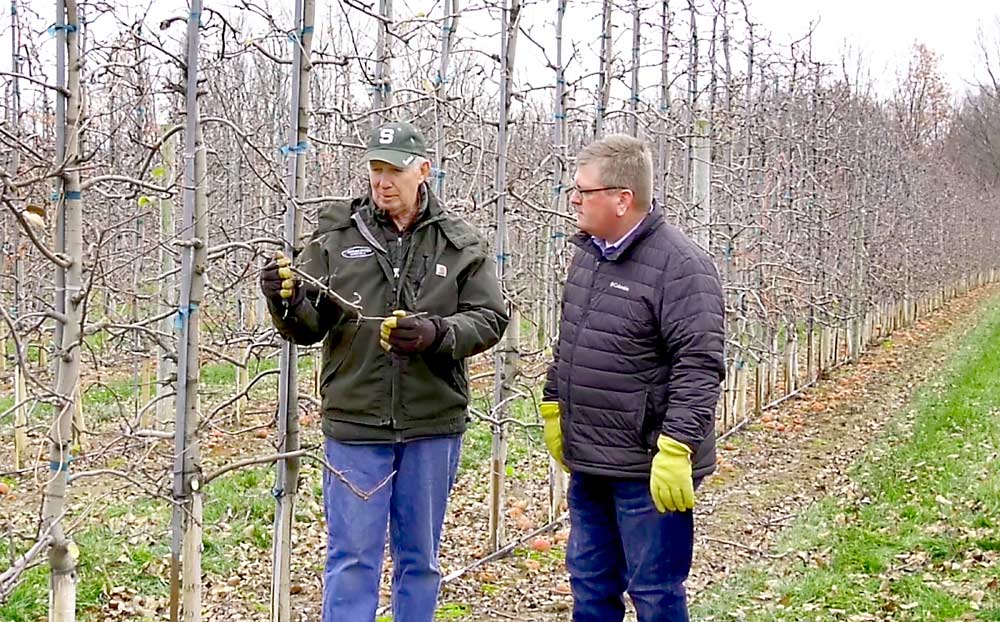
<point>766,477</point>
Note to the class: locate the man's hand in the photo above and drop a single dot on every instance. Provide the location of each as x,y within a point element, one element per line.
<point>552,431</point>
<point>278,282</point>
<point>407,334</point>
<point>670,481</point>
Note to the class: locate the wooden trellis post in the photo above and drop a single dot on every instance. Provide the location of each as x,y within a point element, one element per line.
<point>287,478</point>
<point>187,525</point>
<point>505,359</point>
<point>557,478</point>
<point>663,149</point>
<point>791,358</point>
<point>20,390</point>
<point>382,86</point>
<point>166,365</point>
<point>701,196</point>
<point>603,77</point>
<point>449,24</point>
<point>633,120</point>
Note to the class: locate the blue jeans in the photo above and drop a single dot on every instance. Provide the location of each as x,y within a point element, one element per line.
<point>619,542</point>
<point>412,503</point>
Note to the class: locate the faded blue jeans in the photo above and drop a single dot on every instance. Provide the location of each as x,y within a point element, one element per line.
<point>619,542</point>
<point>412,504</point>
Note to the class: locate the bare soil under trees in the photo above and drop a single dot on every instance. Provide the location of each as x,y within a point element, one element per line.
<point>768,474</point>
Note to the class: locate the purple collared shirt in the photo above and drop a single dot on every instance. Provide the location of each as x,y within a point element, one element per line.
<point>607,248</point>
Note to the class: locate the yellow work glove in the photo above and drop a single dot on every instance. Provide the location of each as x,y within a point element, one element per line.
<point>670,481</point>
<point>552,431</point>
<point>287,276</point>
<point>386,327</point>
<point>277,281</point>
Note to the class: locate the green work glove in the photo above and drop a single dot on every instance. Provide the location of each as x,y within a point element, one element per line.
<point>670,481</point>
<point>552,432</point>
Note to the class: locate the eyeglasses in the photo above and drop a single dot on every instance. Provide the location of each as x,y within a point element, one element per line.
<point>585,191</point>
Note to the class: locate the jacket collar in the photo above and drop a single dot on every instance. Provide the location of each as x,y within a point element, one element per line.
<point>459,233</point>
<point>650,223</point>
<point>427,208</point>
<point>430,208</point>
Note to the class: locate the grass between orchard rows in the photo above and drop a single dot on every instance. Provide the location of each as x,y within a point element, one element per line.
<point>238,511</point>
<point>916,536</point>
<point>125,543</point>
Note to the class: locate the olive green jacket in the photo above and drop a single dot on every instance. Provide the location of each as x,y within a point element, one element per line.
<point>370,395</point>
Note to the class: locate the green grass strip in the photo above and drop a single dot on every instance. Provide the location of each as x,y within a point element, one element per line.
<point>917,537</point>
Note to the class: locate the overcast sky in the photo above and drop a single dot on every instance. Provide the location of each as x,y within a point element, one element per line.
<point>882,31</point>
<point>886,29</point>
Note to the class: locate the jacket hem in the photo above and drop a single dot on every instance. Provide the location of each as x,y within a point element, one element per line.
<point>363,428</point>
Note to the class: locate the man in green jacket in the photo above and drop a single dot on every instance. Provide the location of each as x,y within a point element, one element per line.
<point>395,390</point>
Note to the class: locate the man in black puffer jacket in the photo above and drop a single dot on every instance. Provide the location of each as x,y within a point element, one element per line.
<point>629,401</point>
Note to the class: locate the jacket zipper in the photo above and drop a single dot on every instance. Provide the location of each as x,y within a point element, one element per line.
<point>576,333</point>
<point>396,274</point>
<point>396,372</point>
<point>400,271</point>
<point>391,272</point>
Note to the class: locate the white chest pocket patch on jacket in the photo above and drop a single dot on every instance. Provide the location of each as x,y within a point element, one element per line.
<point>357,252</point>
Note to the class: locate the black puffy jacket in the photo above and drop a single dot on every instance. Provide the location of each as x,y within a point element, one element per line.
<point>640,352</point>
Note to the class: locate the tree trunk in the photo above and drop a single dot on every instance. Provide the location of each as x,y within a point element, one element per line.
<point>63,552</point>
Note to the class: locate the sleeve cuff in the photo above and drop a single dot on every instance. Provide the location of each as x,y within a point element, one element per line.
<point>444,342</point>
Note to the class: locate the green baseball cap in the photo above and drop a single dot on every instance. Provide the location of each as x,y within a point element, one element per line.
<point>399,144</point>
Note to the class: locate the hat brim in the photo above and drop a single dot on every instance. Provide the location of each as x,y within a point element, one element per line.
<point>399,159</point>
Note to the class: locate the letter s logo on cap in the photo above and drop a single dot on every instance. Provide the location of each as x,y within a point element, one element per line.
<point>385,135</point>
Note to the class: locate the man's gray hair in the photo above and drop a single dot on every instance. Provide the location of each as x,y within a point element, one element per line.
<point>622,162</point>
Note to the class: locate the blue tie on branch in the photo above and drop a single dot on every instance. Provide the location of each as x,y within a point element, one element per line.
<point>64,27</point>
<point>301,147</point>
<point>72,195</point>
<point>183,315</point>
<point>296,37</point>
<point>60,466</point>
